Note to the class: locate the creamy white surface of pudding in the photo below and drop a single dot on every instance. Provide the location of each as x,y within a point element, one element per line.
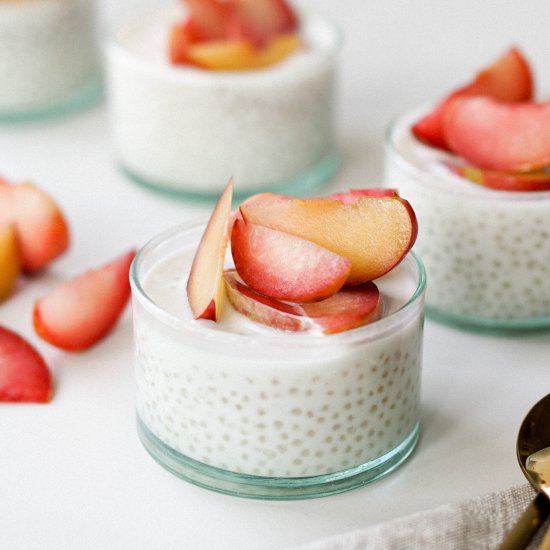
<point>486,251</point>
<point>48,53</point>
<point>249,399</point>
<point>183,128</point>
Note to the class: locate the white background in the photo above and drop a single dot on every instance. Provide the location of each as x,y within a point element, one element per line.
<point>73,474</point>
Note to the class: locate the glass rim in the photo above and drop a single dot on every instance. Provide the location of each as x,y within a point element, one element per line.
<point>193,75</point>
<point>372,331</point>
<point>474,192</point>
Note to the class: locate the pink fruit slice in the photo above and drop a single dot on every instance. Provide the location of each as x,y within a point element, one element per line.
<point>205,288</point>
<point>347,309</point>
<point>264,309</point>
<point>24,375</point>
<point>42,231</point>
<point>374,233</point>
<point>261,20</point>
<point>81,311</point>
<point>350,308</point>
<point>499,135</point>
<point>508,79</point>
<point>286,267</point>
<point>505,181</point>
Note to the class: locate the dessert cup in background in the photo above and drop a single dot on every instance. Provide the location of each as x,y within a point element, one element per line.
<point>248,410</point>
<point>48,58</point>
<point>485,250</point>
<point>183,130</point>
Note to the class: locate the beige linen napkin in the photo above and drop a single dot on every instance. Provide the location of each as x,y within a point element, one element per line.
<point>476,524</point>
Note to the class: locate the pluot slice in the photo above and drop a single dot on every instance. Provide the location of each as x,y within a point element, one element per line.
<point>286,267</point>
<point>264,309</point>
<point>374,233</point>
<point>499,135</point>
<point>509,78</point>
<point>504,181</point>
<point>347,309</point>
<point>205,287</point>
<point>261,20</point>
<point>81,311</point>
<point>10,260</point>
<point>208,19</point>
<point>42,230</point>
<point>24,375</point>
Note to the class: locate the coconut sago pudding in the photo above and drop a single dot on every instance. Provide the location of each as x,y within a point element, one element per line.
<point>48,58</point>
<point>307,388</point>
<point>242,88</point>
<point>475,167</point>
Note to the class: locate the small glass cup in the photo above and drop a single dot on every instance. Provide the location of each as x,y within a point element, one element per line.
<point>269,414</point>
<point>486,251</point>
<point>183,130</point>
<point>48,58</point>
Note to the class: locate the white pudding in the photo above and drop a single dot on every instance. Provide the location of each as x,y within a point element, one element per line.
<point>185,129</point>
<point>487,252</point>
<point>48,56</point>
<point>247,400</point>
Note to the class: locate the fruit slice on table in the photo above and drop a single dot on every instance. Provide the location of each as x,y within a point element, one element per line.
<point>499,135</point>
<point>81,311</point>
<point>374,233</point>
<point>10,260</point>
<point>24,375</point>
<point>508,79</point>
<point>505,181</point>
<point>352,195</point>
<point>41,228</point>
<point>286,267</point>
<point>347,309</point>
<point>205,288</point>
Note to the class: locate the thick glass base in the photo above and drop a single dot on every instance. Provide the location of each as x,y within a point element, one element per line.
<point>87,96</point>
<point>488,325</point>
<point>301,185</point>
<point>270,488</point>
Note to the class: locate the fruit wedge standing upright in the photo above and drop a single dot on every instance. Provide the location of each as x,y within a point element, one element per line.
<point>205,288</point>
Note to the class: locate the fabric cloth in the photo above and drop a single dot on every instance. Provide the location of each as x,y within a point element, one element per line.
<point>476,524</point>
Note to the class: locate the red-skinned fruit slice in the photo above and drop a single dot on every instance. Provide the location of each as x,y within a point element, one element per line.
<point>259,21</point>
<point>374,233</point>
<point>508,79</point>
<point>205,288</point>
<point>504,181</point>
<point>348,197</point>
<point>286,267</point>
<point>347,309</point>
<point>80,312</point>
<point>42,231</point>
<point>498,135</point>
<point>209,19</point>
<point>24,375</point>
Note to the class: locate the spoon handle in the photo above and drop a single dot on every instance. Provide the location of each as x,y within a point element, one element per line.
<point>545,544</point>
<point>528,523</point>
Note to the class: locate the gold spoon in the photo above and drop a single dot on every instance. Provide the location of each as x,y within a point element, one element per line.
<point>533,451</point>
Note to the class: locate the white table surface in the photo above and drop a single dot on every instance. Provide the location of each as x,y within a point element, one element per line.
<point>73,474</point>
